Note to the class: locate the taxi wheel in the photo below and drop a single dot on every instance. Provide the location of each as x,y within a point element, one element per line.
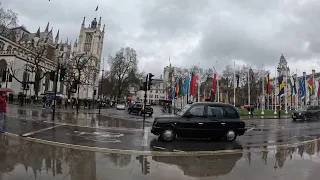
<point>231,135</point>
<point>168,134</point>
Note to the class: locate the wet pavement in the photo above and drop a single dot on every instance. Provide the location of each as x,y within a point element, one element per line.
<point>27,160</point>
<point>46,114</point>
<point>91,146</point>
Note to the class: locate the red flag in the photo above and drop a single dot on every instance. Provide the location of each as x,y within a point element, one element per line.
<point>193,83</point>
<point>214,83</point>
<point>318,93</point>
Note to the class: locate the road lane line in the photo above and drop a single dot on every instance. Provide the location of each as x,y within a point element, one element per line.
<point>251,129</point>
<point>157,147</point>
<point>41,130</point>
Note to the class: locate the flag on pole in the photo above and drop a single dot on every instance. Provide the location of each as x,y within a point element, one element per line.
<point>251,77</point>
<point>316,88</point>
<point>281,84</point>
<point>302,88</point>
<point>186,83</point>
<point>310,87</point>
<point>97,7</point>
<point>318,92</point>
<point>238,79</point>
<point>268,84</point>
<point>214,83</point>
<point>193,83</point>
<point>292,82</point>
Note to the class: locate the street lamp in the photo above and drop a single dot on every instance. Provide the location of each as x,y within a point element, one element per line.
<point>100,103</point>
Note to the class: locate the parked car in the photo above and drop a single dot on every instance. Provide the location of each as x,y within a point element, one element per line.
<point>200,120</point>
<point>121,107</point>
<point>137,108</point>
<point>306,113</point>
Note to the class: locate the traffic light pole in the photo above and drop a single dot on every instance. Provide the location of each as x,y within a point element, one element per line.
<point>55,91</point>
<point>145,101</point>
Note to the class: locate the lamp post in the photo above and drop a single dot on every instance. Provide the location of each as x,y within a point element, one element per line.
<point>101,86</point>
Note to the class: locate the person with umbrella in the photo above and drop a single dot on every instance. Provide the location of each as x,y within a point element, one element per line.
<point>3,106</point>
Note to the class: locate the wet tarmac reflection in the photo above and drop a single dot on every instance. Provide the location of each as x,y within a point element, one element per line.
<point>81,119</point>
<point>22,159</point>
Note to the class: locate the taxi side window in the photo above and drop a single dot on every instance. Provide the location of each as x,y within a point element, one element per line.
<point>197,111</point>
<point>231,112</point>
<point>215,111</point>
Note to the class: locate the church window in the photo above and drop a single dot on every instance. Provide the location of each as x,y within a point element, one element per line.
<point>1,45</point>
<point>88,42</point>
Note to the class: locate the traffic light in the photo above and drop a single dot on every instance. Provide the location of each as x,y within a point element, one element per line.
<point>63,74</point>
<point>52,75</point>
<point>94,92</point>
<point>150,80</point>
<point>144,86</point>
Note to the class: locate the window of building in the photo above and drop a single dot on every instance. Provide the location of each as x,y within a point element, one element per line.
<point>88,42</point>
<point>156,91</point>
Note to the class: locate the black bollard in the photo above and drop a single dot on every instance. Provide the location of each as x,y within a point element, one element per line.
<point>279,114</point>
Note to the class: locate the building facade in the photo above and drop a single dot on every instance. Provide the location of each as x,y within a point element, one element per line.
<point>89,47</point>
<point>26,59</point>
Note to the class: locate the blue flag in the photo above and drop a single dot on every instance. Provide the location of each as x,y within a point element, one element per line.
<point>186,83</point>
<point>302,88</point>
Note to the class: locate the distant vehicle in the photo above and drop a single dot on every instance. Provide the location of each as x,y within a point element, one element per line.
<point>137,108</point>
<point>306,113</point>
<point>200,120</point>
<point>121,107</point>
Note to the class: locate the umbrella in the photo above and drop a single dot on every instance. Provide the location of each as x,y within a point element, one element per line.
<point>6,90</point>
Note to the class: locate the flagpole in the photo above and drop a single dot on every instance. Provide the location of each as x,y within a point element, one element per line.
<point>286,92</point>
<point>234,83</point>
<point>217,91</point>
<point>313,95</point>
<point>296,98</point>
<point>275,88</point>
<point>305,88</point>
<point>199,83</point>
<point>263,97</point>
<point>249,112</point>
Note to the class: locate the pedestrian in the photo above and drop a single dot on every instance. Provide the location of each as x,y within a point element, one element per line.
<point>3,109</point>
<point>44,101</point>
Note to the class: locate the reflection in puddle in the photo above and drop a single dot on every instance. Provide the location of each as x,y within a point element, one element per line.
<point>22,158</point>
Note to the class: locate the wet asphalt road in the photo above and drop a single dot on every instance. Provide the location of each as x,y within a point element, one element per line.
<point>93,130</point>
<point>271,149</point>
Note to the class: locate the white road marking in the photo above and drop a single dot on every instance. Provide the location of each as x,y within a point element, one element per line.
<point>145,137</point>
<point>41,130</point>
<point>157,147</point>
<point>251,129</point>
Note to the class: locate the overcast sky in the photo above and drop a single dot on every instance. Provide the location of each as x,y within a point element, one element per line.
<point>191,32</point>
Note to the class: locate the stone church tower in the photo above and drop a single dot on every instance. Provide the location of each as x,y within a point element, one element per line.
<point>90,43</point>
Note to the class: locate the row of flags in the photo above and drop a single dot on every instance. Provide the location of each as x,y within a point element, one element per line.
<point>185,85</point>
<point>312,87</point>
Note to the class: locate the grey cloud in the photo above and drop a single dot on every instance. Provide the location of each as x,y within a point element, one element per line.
<point>255,32</point>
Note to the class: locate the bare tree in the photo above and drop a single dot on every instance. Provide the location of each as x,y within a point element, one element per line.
<point>80,71</point>
<point>8,19</point>
<point>123,70</point>
<point>37,54</point>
